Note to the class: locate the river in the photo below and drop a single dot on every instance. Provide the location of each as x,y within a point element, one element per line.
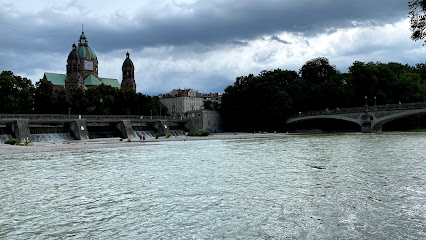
<point>337,186</point>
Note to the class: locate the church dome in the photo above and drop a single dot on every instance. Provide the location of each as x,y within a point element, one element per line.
<point>73,54</point>
<point>128,62</point>
<point>83,48</point>
<point>83,51</point>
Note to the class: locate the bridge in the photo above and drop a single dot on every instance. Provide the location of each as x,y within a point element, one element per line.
<point>22,126</point>
<point>369,118</point>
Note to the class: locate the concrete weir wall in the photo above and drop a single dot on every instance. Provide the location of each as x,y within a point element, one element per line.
<point>20,130</point>
<point>78,129</point>
<point>161,127</point>
<point>125,129</point>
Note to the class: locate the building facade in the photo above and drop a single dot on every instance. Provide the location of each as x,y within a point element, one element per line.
<point>204,120</point>
<point>180,101</point>
<point>82,71</point>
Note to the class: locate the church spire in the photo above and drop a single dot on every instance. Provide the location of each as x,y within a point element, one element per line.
<point>83,39</point>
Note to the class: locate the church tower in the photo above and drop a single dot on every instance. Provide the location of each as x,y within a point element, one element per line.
<point>81,63</point>
<point>128,83</point>
<point>74,79</point>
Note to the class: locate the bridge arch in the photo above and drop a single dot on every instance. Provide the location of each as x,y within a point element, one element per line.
<point>379,122</point>
<point>337,117</point>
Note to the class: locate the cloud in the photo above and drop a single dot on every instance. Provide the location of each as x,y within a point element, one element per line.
<point>278,39</point>
<point>202,44</point>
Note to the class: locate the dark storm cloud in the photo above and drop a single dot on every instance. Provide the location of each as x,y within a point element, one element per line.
<point>207,23</point>
<point>235,21</point>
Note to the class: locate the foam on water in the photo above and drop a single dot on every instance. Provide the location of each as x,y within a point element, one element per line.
<point>147,134</point>
<point>5,137</point>
<point>51,137</point>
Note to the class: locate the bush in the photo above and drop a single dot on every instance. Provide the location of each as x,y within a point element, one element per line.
<point>168,135</point>
<point>12,141</point>
<point>199,134</point>
<point>157,135</point>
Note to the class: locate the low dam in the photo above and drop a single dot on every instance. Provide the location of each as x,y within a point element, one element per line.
<point>81,127</point>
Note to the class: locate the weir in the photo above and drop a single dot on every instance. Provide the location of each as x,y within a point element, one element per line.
<point>72,127</point>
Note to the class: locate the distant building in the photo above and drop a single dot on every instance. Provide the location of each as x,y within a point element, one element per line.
<point>82,71</point>
<point>214,97</point>
<point>205,120</point>
<point>180,101</point>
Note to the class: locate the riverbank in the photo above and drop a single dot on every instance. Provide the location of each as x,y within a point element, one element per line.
<point>101,143</point>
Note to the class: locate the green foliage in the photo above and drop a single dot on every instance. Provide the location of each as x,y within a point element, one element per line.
<point>12,141</point>
<point>417,17</point>
<point>208,104</point>
<point>168,135</point>
<point>44,99</point>
<point>198,134</point>
<point>263,102</point>
<point>16,93</point>
<point>157,135</point>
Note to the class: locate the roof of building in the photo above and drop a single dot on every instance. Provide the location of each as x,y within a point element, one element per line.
<point>111,82</point>
<point>83,51</point>
<point>92,81</point>
<point>56,78</point>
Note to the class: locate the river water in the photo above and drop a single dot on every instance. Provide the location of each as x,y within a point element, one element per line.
<point>340,186</point>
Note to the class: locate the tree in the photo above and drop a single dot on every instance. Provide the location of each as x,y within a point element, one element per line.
<point>417,19</point>
<point>16,93</point>
<point>323,86</point>
<point>43,97</point>
<point>208,104</point>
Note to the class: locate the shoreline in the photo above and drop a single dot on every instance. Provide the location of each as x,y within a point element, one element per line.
<point>102,143</point>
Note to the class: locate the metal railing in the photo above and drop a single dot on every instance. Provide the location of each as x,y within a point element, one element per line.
<point>53,117</point>
<point>375,108</point>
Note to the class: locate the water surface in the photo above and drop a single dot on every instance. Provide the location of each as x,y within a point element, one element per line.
<point>343,186</point>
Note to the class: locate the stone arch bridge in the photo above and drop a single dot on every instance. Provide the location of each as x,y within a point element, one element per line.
<point>370,118</point>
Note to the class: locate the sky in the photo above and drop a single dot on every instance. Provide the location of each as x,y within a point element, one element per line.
<point>203,44</point>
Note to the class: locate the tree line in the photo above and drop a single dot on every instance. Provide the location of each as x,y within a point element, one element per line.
<point>19,96</point>
<point>265,101</point>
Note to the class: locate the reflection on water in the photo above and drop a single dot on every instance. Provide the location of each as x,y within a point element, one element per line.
<point>349,186</point>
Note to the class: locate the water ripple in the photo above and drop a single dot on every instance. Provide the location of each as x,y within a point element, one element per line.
<point>345,186</point>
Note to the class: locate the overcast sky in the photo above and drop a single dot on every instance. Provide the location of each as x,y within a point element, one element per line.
<point>203,44</point>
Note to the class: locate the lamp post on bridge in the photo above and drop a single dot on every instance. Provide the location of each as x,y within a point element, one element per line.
<point>366,104</point>
<point>375,103</point>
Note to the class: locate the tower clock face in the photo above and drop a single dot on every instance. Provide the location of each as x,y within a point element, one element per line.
<point>88,65</point>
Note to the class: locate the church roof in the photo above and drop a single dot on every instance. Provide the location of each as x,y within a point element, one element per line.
<point>83,51</point>
<point>56,78</point>
<point>111,82</point>
<point>92,81</point>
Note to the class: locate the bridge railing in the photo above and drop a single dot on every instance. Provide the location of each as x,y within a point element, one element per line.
<point>53,117</point>
<point>388,107</point>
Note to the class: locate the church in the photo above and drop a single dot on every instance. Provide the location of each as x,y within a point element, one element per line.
<point>82,71</point>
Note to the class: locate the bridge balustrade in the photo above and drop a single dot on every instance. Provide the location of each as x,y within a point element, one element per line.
<point>388,107</point>
<point>87,117</point>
